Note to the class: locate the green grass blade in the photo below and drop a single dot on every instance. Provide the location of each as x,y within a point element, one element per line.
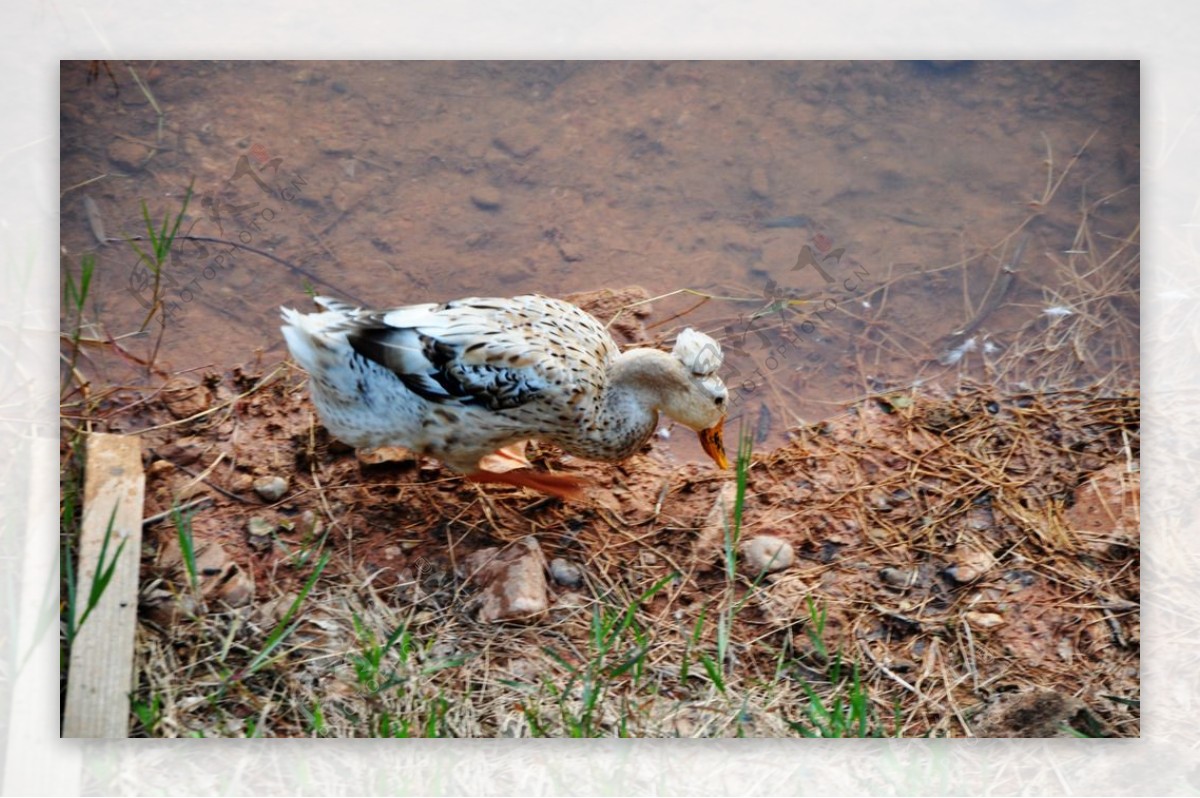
<point>714,671</point>
<point>626,618</point>
<point>170,239</point>
<point>630,662</point>
<point>282,630</point>
<point>187,543</point>
<point>104,571</point>
<point>151,234</point>
<point>69,568</point>
<point>87,268</point>
<point>816,628</point>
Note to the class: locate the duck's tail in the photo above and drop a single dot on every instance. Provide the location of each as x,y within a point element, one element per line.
<point>313,338</point>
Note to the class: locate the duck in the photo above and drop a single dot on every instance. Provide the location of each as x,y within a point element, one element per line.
<point>471,381</point>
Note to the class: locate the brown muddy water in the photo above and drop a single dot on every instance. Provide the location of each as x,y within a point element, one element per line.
<point>834,223</point>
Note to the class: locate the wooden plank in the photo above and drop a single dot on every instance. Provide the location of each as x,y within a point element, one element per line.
<point>101,674</point>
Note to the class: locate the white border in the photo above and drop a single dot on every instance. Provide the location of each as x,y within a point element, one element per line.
<point>37,33</point>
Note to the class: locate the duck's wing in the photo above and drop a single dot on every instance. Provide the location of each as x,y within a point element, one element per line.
<point>495,353</point>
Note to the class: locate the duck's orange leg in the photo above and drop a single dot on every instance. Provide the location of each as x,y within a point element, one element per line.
<point>560,485</point>
<point>505,459</point>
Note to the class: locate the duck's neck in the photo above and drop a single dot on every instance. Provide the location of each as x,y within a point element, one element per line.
<point>628,413</point>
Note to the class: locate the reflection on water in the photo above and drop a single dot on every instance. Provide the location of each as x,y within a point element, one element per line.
<point>836,223</point>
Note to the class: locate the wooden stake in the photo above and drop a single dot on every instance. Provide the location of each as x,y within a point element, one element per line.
<point>101,674</point>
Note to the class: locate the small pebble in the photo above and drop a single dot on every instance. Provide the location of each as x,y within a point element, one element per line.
<point>127,156</point>
<point>486,198</point>
<point>271,489</point>
<point>237,591</point>
<point>341,200</point>
<point>570,252</point>
<point>260,526</point>
<point>260,532</point>
<point>335,144</point>
<point>308,76</point>
<point>185,397</point>
<point>570,601</point>
<point>240,483</point>
<point>760,182</point>
<point>879,501</point>
<point>970,566</point>
<point>984,620</point>
<point>897,577</point>
<point>519,141</point>
<point>182,452</point>
<point>159,469</point>
<point>308,526</point>
<point>767,553</point>
<point>565,572</point>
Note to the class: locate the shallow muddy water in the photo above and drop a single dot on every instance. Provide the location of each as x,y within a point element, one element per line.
<point>834,223</point>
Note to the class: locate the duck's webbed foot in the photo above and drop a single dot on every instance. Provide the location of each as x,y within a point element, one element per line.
<point>560,485</point>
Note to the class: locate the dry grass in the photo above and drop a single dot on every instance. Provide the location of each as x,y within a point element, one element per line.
<point>932,532</point>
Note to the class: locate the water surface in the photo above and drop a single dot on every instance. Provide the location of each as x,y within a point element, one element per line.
<point>845,219</point>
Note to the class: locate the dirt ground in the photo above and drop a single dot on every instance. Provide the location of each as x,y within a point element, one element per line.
<point>976,553</point>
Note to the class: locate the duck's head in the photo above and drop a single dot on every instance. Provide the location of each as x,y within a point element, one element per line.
<point>701,402</point>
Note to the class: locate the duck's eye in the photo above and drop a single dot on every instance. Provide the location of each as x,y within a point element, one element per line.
<point>720,400</point>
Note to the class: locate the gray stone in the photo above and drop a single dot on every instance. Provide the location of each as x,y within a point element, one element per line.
<point>271,489</point>
<point>565,572</point>
<point>767,553</point>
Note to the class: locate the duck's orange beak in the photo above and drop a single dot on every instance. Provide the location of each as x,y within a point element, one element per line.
<point>713,445</point>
